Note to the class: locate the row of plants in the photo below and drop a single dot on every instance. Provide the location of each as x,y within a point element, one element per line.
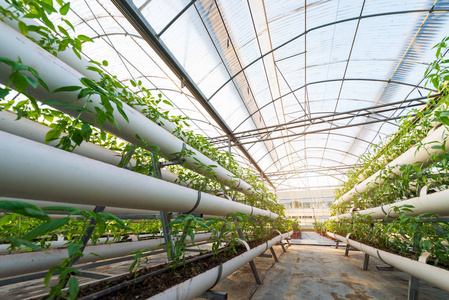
<point>409,236</point>
<point>411,178</point>
<point>412,128</point>
<point>13,224</point>
<point>56,38</point>
<point>29,226</point>
<point>38,227</point>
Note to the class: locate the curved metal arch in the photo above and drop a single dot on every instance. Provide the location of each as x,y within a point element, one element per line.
<point>358,60</point>
<point>271,132</point>
<point>291,177</point>
<point>317,28</point>
<point>117,33</point>
<point>335,150</point>
<point>169,90</point>
<point>97,17</point>
<point>205,121</point>
<point>294,139</point>
<point>326,159</point>
<point>326,81</point>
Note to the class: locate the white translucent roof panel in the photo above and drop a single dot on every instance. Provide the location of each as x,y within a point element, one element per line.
<point>265,65</point>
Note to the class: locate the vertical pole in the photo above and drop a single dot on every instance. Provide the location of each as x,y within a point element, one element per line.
<point>282,245</point>
<point>165,216</point>
<point>274,254</point>
<point>251,263</point>
<point>366,262</point>
<point>413,288</point>
<point>165,219</point>
<point>347,250</point>
<point>336,244</point>
<point>90,229</point>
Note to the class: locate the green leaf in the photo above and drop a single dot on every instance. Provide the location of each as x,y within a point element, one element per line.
<point>46,228</point>
<point>64,9</point>
<point>61,208</point>
<point>23,242</point>
<point>52,135</point>
<point>68,23</point>
<point>105,63</point>
<point>167,102</point>
<point>62,29</point>
<point>84,38</point>
<point>73,247</point>
<point>49,274</point>
<point>23,28</point>
<point>70,88</point>
<point>53,102</point>
<point>24,208</point>
<point>4,92</point>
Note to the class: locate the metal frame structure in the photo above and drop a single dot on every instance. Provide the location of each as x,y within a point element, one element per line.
<point>131,12</point>
<point>277,140</point>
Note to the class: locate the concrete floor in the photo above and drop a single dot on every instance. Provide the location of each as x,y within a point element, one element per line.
<point>321,272</point>
<point>305,271</point>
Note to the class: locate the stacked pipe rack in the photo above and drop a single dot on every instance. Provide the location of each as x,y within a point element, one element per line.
<point>426,203</point>
<point>88,178</point>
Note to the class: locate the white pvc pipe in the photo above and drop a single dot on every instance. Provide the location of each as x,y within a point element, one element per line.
<point>435,276</point>
<point>57,244</point>
<point>411,156</point>
<point>37,132</point>
<point>197,285</point>
<point>117,211</point>
<point>32,170</point>
<point>30,262</point>
<point>432,203</point>
<point>80,65</point>
<point>58,74</point>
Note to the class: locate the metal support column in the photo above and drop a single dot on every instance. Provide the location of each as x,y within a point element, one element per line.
<point>251,263</point>
<point>347,250</point>
<point>214,295</point>
<point>336,244</point>
<point>90,229</point>
<point>366,262</point>
<point>274,254</point>
<point>282,245</point>
<point>413,288</point>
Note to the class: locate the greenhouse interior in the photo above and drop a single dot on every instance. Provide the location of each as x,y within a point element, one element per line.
<point>211,149</point>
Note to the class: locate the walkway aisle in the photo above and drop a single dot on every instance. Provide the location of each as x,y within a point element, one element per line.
<point>310,272</point>
<point>312,238</point>
<point>321,272</point>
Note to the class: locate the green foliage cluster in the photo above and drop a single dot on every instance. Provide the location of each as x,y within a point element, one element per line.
<point>412,130</point>
<point>406,235</point>
<point>27,226</point>
<point>112,94</point>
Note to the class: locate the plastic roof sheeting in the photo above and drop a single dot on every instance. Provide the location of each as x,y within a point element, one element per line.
<point>267,63</point>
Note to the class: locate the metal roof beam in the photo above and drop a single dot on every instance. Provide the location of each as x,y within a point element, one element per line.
<point>134,16</point>
<point>263,133</point>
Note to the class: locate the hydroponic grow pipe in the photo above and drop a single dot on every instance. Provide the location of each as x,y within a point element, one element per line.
<point>118,211</point>
<point>432,203</point>
<point>61,243</point>
<point>57,74</point>
<point>30,262</point>
<point>435,276</point>
<point>207,280</point>
<point>37,132</point>
<point>418,154</point>
<point>32,170</point>
<point>80,65</point>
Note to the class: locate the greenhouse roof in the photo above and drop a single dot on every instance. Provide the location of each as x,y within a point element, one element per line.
<point>298,90</point>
